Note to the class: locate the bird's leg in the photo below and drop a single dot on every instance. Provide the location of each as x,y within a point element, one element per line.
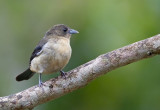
<point>63,74</point>
<point>40,80</point>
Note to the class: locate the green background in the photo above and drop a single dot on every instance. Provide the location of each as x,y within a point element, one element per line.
<point>104,25</point>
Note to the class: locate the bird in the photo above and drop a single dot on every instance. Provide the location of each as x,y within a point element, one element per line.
<point>51,55</point>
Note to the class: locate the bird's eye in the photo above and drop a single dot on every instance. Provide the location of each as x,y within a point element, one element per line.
<point>65,29</point>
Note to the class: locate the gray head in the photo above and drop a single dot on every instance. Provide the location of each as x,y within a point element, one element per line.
<point>61,30</point>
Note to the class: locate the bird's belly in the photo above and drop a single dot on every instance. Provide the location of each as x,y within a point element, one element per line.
<point>50,61</point>
<point>56,62</point>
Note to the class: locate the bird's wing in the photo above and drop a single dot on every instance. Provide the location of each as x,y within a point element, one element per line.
<point>38,50</point>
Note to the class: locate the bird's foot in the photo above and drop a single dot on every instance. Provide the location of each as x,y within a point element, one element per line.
<point>40,84</point>
<point>63,74</point>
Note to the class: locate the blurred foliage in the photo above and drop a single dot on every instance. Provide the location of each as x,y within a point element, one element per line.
<point>104,25</point>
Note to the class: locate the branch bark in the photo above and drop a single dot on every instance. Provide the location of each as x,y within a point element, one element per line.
<point>81,75</point>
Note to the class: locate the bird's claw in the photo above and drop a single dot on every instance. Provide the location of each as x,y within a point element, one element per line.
<point>40,84</point>
<point>63,74</point>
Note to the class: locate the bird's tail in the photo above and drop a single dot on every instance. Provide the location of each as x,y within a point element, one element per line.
<point>25,75</point>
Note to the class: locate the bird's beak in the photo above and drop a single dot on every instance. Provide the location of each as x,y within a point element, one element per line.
<point>72,31</point>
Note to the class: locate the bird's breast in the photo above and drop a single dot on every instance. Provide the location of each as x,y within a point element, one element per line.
<point>55,55</point>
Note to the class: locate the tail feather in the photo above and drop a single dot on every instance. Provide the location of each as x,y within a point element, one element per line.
<point>25,75</point>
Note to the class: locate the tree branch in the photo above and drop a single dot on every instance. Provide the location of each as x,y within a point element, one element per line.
<point>81,75</point>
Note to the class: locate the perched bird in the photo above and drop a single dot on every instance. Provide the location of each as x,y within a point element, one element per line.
<point>51,54</point>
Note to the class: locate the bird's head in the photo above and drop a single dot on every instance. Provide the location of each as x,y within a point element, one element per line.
<point>61,30</point>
